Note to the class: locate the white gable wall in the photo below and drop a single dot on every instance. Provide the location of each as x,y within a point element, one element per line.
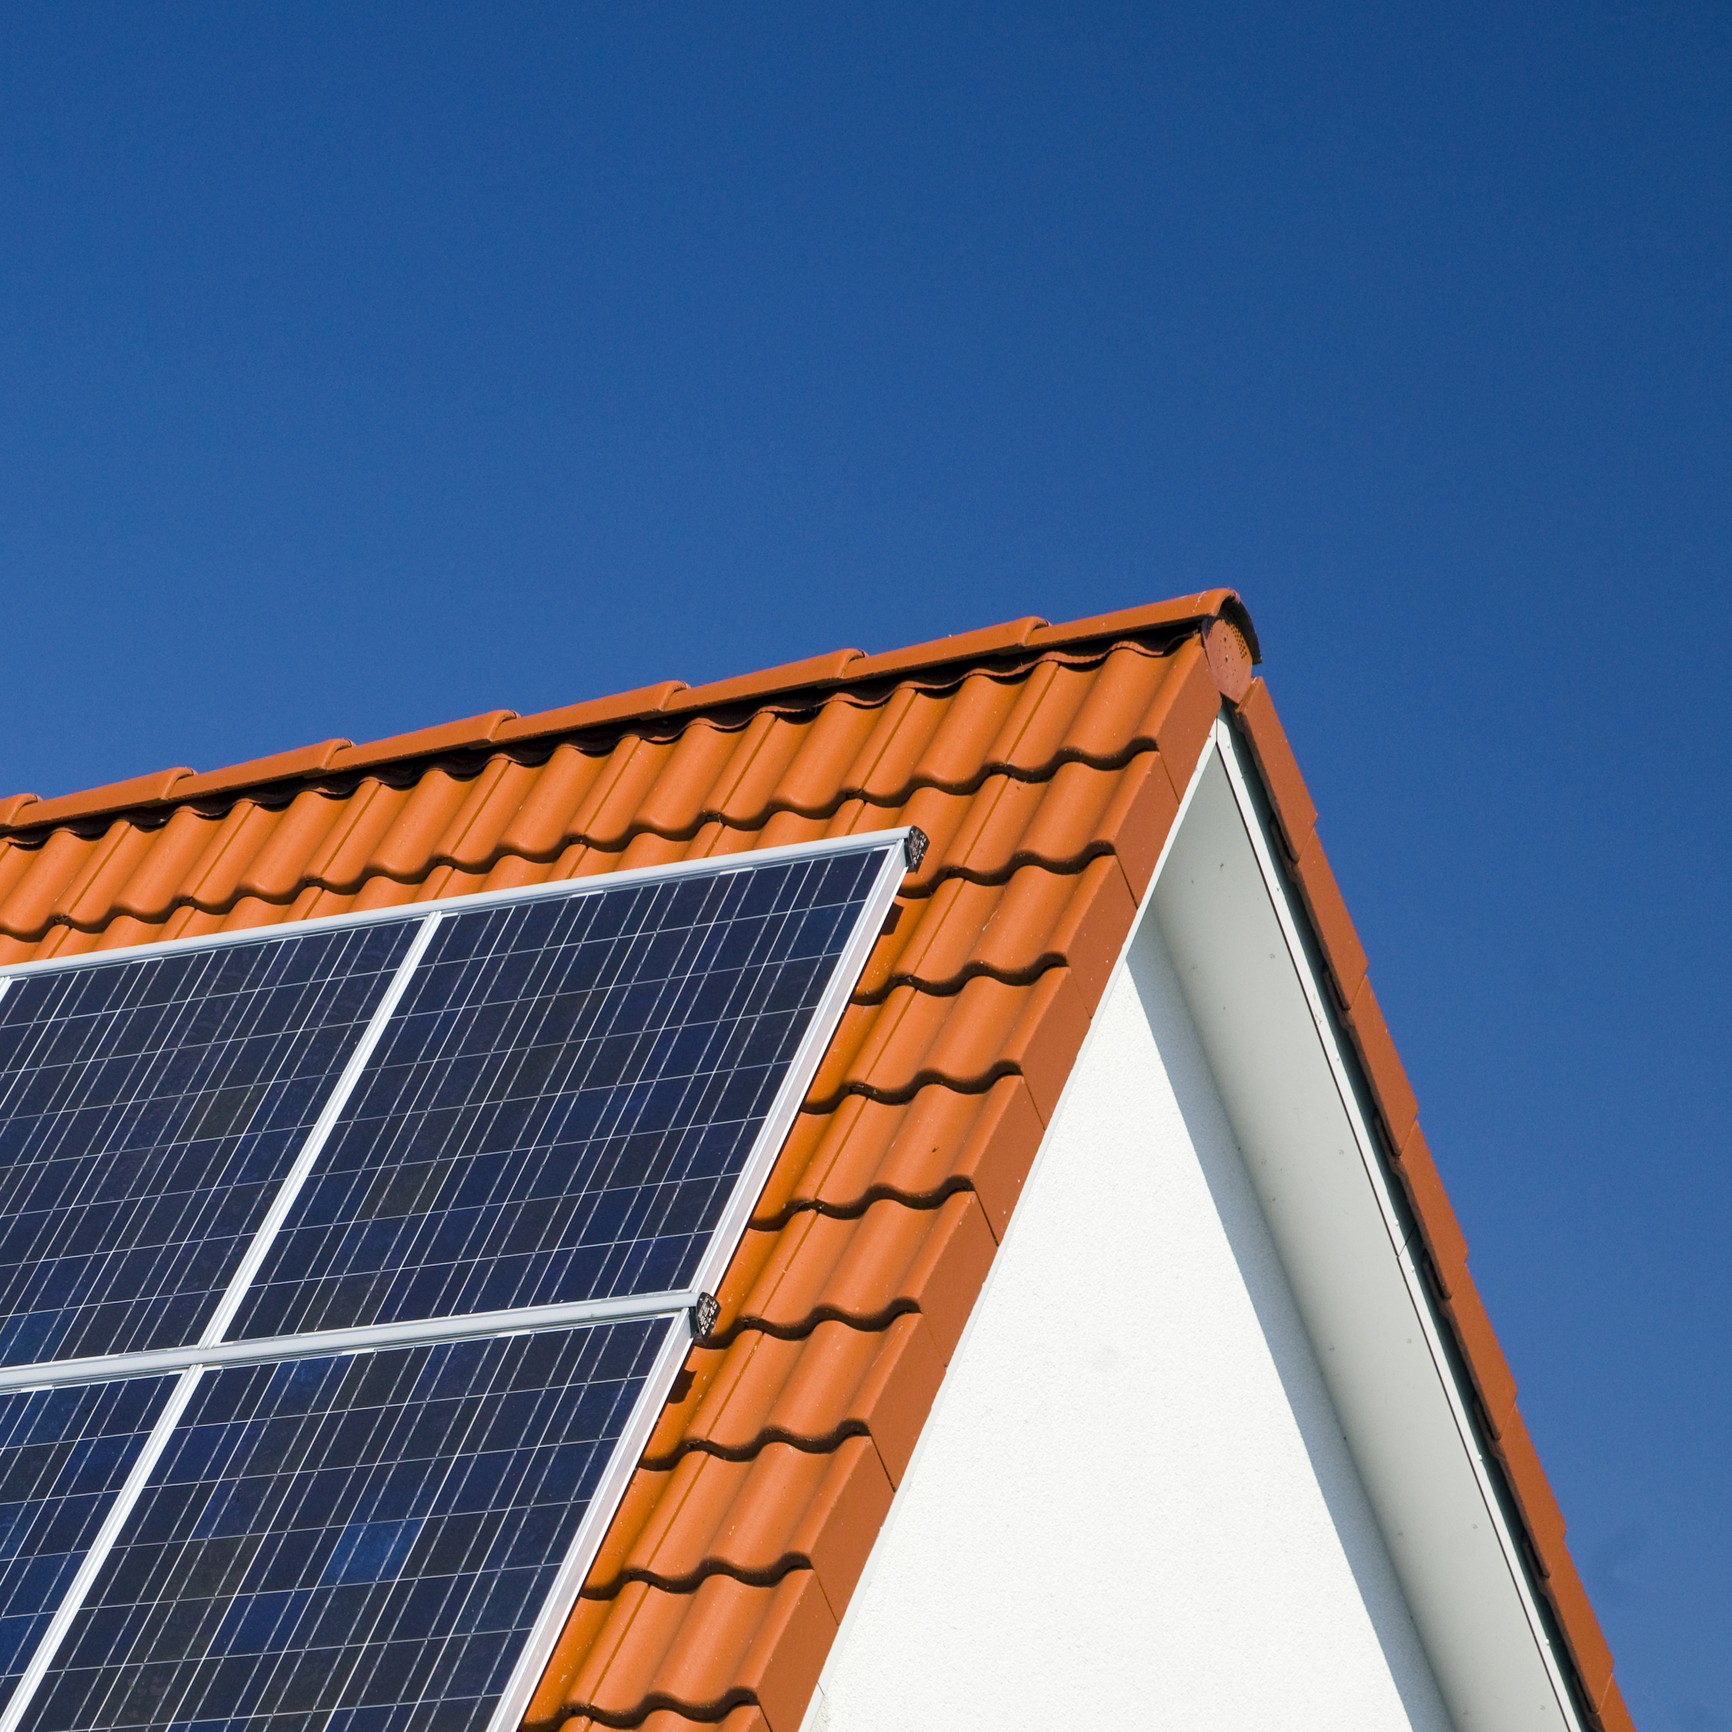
<point>1150,1492</point>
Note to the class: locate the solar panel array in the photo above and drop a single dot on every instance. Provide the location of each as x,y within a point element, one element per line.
<point>208,1152</point>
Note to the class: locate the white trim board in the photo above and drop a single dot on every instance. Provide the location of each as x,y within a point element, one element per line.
<point>1232,1479</point>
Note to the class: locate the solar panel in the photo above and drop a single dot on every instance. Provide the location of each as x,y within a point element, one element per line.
<point>149,1111</point>
<point>64,1454</point>
<point>561,1103</point>
<point>363,1540</point>
<point>354,1261</point>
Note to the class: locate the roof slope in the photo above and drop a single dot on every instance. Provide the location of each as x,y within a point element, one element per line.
<point>1046,764</point>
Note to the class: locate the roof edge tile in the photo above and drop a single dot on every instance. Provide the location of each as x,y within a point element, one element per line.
<point>592,712</point>
<point>964,646</point>
<point>11,806</point>
<point>447,737</point>
<point>277,767</point>
<point>149,790</point>
<point>820,670</point>
<point>1180,610</point>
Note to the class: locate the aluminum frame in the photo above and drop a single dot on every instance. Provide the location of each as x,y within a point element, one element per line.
<point>211,1351</point>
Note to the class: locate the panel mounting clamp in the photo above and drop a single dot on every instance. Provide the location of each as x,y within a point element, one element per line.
<point>703,1315</point>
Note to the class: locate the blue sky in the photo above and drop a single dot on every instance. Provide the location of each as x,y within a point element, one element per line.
<point>367,366</point>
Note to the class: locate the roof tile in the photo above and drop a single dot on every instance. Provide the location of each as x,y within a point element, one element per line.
<point>915,1151</point>
<point>464,735</point>
<point>594,713</point>
<point>1206,604</point>
<point>812,1391</point>
<point>779,1510</point>
<point>790,676</point>
<point>304,761</point>
<point>1045,764</point>
<point>1295,815</point>
<point>964,646</point>
<point>149,790</point>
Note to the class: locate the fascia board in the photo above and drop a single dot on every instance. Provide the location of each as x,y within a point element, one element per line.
<point>1292,1092</point>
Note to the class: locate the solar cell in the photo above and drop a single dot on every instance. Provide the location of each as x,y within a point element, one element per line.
<point>562,1101</point>
<point>148,1112</point>
<point>359,1542</point>
<point>64,1453</point>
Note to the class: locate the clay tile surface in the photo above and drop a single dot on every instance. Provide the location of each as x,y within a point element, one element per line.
<point>1045,764</point>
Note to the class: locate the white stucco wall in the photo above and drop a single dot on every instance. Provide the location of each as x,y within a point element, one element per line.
<point>1132,1505</point>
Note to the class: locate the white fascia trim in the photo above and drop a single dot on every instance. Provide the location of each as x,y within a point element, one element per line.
<point>594,885</point>
<point>1344,1070</point>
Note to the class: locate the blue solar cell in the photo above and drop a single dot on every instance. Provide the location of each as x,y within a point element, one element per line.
<point>64,1453</point>
<point>355,1542</point>
<point>148,1112</point>
<point>564,1098</point>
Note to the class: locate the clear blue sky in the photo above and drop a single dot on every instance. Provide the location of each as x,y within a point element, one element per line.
<point>363,367</point>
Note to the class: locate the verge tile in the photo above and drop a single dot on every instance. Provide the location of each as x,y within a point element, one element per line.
<point>702,1652</point>
<point>1039,919</point>
<point>1383,1066</point>
<point>864,1270</point>
<point>1330,920</point>
<point>842,1160</point>
<point>1295,814</point>
<point>811,1391</point>
<point>757,1519</point>
<point>986,1030</point>
<point>1432,1209</point>
<point>1482,1351</point>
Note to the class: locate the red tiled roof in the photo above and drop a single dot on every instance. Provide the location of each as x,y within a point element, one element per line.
<point>1045,762</point>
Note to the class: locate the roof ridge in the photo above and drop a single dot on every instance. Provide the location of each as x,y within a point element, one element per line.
<point>671,698</point>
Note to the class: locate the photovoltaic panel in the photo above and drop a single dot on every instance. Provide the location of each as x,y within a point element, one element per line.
<point>359,1542</point>
<point>563,1099</point>
<point>555,1097</point>
<point>148,1111</point>
<point>64,1453</point>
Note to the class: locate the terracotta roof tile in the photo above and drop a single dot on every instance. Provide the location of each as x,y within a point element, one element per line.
<point>964,646</point>
<point>464,735</point>
<point>790,677</point>
<point>596,713</point>
<point>779,1510</point>
<point>304,761</point>
<point>914,1151</point>
<point>1045,764</point>
<point>149,790</point>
